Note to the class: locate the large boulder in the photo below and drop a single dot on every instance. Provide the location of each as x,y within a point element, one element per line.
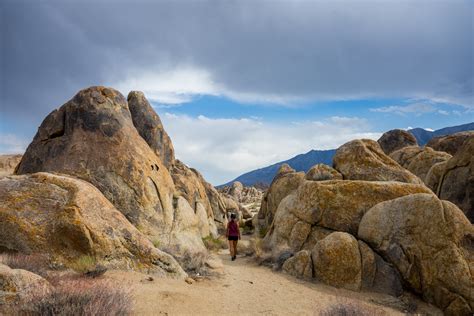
<point>322,172</point>
<point>430,243</point>
<point>68,218</point>
<point>19,286</point>
<point>93,137</point>
<point>419,160</point>
<point>300,265</point>
<point>286,181</point>
<point>396,139</point>
<point>150,128</point>
<point>337,261</point>
<point>449,143</point>
<point>363,159</point>
<point>8,164</point>
<point>457,181</point>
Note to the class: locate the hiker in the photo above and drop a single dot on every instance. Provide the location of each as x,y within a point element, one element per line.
<point>233,235</point>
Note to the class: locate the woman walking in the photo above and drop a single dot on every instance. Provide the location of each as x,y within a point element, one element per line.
<point>233,235</point>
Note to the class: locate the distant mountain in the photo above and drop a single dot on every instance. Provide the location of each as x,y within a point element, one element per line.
<point>423,136</point>
<point>303,162</point>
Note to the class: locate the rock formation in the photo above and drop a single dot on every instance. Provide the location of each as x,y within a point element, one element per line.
<point>449,143</point>
<point>363,159</point>
<point>68,218</point>
<point>321,172</point>
<point>396,139</point>
<point>456,183</point>
<point>419,160</point>
<point>430,243</point>
<point>285,181</point>
<point>249,197</point>
<point>8,164</point>
<point>387,234</point>
<point>124,151</point>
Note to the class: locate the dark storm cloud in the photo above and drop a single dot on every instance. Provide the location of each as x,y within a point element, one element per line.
<point>308,50</point>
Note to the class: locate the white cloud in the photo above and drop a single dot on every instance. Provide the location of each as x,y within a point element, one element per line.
<point>224,148</point>
<point>12,144</point>
<point>417,108</point>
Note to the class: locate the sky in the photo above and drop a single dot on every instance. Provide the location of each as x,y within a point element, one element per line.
<point>240,85</point>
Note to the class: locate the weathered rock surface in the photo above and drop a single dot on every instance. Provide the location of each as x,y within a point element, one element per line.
<point>430,243</point>
<point>457,181</point>
<point>396,139</point>
<point>337,262</point>
<point>249,197</point>
<point>419,160</point>
<point>8,164</point>
<point>17,285</point>
<point>335,205</point>
<point>450,143</point>
<point>150,128</point>
<point>300,265</point>
<point>93,137</point>
<point>68,218</point>
<point>286,181</point>
<point>363,159</point>
<point>321,172</point>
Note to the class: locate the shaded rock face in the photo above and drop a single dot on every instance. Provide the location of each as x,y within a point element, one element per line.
<point>419,161</point>
<point>150,128</point>
<point>17,285</point>
<point>286,181</point>
<point>363,159</point>
<point>8,164</point>
<point>95,137</point>
<point>456,183</point>
<point>450,143</point>
<point>67,218</point>
<point>321,172</point>
<point>430,243</point>
<point>396,139</point>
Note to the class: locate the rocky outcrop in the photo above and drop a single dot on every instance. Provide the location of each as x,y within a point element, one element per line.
<point>98,138</point>
<point>456,183</point>
<point>430,243</point>
<point>68,218</point>
<point>322,172</point>
<point>396,139</point>
<point>450,143</point>
<point>17,285</point>
<point>150,128</point>
<point>363,159</point>
<point>300,265</point>
<point>286,181</point>
<point>8,164</point>
<point>334,205</point>
<point>419,161</point>
<point>249,197</point>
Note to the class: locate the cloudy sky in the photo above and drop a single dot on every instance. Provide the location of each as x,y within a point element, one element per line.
<point>240,85</point>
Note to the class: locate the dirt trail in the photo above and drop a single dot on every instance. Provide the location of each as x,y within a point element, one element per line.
<point>244,288</point>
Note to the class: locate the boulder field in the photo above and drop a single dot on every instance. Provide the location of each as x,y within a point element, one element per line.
<point>370,224</point>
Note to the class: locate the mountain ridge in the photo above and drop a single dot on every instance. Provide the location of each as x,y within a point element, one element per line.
<point>303,162</point>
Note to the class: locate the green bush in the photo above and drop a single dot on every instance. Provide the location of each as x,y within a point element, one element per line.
<point>215,244</point>
<point>84,264</point>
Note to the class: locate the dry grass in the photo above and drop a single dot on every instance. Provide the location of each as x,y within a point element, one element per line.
<point>352,308</point>
<point>82,296</point>
<point>36,263</point>
<point>214,244</point>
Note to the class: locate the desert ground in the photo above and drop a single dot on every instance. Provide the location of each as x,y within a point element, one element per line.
<point>245,288</point>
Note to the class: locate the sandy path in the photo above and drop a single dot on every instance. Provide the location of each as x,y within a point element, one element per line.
<point>245,288</point>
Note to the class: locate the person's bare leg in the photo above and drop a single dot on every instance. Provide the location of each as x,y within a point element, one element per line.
<point>235,247</point>
<point>231,250</point>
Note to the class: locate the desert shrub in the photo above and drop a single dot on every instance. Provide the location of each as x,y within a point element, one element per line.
<point>262,232</point>
<point>351,308</point>
<point>214,244</point>
<point>82,297</point>
<point>88,266</point>
<point>36,263</point>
